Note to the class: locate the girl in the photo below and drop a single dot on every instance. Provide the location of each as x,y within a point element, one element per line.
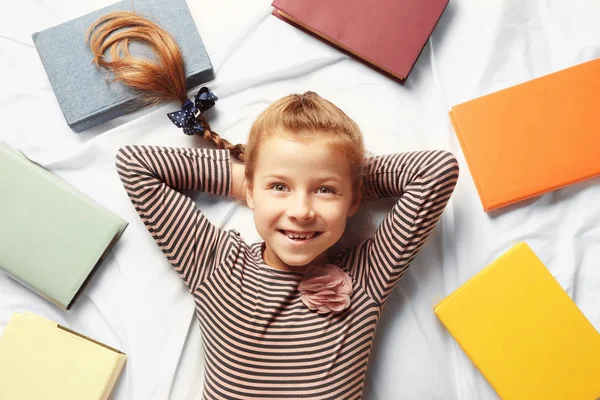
<point>287,318</point>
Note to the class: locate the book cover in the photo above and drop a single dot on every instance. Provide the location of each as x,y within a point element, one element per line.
<point>389,34</point>
<point>523,331</point>
<point>86,94</point>
<point>53,236</point>
<point>40,359</point>
<point>534,137</point>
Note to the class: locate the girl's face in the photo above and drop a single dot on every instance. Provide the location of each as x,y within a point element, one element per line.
<point>301,195</point>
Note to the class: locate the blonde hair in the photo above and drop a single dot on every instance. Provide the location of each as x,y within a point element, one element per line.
<point>163,79</point>
<point>307,116</point>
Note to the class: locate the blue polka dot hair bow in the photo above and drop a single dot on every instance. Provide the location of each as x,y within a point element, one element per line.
<point>188,117</point>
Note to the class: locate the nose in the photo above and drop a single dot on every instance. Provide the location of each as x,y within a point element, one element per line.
<point>300,208</point>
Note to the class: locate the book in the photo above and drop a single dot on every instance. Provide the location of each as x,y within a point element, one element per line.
<point>534,137</point>
<point>40,359</point>
<point>523,332</point>
<point>53,236</point>
<point>86,94</point>
<point>388,35</point>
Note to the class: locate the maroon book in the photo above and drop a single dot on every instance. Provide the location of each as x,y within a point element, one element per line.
<point>388,34</point>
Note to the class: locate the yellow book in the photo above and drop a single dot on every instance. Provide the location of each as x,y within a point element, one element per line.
<point>40,359</point>
<point>523,331</point>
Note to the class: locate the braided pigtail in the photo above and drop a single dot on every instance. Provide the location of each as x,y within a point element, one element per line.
<point>160,80</point>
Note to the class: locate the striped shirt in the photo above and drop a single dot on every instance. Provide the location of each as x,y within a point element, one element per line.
<point>260,341</point>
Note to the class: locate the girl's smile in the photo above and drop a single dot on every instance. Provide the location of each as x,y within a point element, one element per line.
<point>301,196</point>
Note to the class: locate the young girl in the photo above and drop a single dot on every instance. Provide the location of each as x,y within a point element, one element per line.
<point>286,318</point>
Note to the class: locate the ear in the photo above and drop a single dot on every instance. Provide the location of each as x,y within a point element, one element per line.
<point>355,204</point>
<point>249,195</point>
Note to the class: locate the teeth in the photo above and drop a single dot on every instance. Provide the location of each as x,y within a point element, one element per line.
<point>298,236</point>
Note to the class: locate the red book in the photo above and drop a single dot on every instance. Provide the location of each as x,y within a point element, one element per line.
<point>388,34</point>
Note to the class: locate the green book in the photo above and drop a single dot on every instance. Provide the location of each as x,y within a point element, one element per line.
<point>52,236</point>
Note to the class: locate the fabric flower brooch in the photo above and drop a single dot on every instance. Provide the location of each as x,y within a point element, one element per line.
<point>325,288</point>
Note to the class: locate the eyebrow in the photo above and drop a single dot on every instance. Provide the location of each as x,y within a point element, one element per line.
<point>331,178</point>
<point>274,177</point>
<point>334,178</point>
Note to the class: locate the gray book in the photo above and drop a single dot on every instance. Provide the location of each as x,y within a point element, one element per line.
<point>52,236</point>
<point>86,94</point>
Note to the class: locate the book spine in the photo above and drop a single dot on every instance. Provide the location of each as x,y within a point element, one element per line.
<point>112,381</point>
<point>108,248</point>
<point>16,278</point>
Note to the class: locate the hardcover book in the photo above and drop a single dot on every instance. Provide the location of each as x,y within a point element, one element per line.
<point>86,94</point>
<point>387,34</point>
<point>534,137</point>
<point>523,331</point>
<point>40,359</point>
<point>53,236</point>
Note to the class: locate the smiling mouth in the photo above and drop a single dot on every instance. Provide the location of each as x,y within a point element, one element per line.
<point>299,236</point>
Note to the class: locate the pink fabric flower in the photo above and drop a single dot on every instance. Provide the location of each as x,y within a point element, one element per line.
<point>325,288</point>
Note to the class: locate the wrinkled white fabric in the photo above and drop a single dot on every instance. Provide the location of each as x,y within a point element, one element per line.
<point>138,304</point>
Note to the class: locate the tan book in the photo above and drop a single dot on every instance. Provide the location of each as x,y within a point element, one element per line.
<point>40,359</point>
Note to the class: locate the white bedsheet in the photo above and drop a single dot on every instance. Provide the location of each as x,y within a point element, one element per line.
<point>138,304</point>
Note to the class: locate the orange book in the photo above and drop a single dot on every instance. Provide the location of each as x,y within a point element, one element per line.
<point>534,137</point>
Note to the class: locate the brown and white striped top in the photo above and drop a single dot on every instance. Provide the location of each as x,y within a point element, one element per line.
<point>260,341</point>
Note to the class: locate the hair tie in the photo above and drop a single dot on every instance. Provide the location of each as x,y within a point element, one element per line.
<point>188,117</point>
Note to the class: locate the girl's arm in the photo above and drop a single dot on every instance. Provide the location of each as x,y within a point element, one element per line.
<point>153,177</point>
<point>238,182</point>
<point>423,182</point>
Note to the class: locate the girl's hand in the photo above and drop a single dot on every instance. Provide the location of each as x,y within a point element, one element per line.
<point>238,184</point>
